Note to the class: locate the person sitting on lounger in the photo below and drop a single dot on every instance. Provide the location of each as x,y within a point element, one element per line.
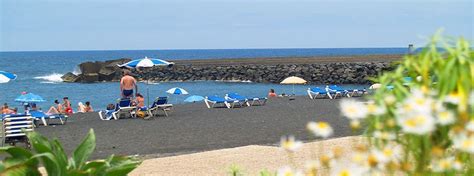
<point>272,93</point>
<point>140,101</point>
<point>88,107</point>
<point>127,83</point>
<point>81,107</point>
<point>56,109</point>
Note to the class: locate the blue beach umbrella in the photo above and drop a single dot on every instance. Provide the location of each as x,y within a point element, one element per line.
<point>194,98</point>
<point>146,62</point>
<point>30,98</point>
<point>5,77</point>
<point>177,91</point>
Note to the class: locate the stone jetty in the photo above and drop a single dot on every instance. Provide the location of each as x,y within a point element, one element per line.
<point>316,70</point>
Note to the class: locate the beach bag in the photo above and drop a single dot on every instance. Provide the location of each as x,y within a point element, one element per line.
<point>140,114</point>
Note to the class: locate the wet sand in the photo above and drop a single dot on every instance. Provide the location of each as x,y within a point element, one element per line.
<point>192,128</point>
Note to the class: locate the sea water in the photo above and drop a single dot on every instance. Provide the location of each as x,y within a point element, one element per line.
<point>40,73</point>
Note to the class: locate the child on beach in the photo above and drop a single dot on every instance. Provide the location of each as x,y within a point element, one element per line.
<point>88,107</point>
<point>272,93</point>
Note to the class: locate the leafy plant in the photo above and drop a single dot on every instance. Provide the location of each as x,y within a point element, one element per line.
<point>52,156</point>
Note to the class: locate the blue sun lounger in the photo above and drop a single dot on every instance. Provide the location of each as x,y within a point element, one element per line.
<point>124,107</point>
<point>213,100</point>
<point>45,118</point>
<point>249,101</point>
<point>160,103</point>
<point>317,92</point>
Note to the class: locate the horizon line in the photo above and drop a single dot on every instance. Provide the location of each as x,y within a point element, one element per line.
<point>197,49</point>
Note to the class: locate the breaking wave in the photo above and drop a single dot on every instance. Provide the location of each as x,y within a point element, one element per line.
<point>51,78</point>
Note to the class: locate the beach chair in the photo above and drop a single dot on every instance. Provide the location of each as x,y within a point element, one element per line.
<point>124,107</point>
<point>160,104</point>
<point>347,92</point>
<point>317,92</point>
<point>236,100</point>
<point>15,128</point>
<point>106,114</point>
<point>212,101</point>
<point>45,118</point>
<point>249,101</point>
<point>333,93</point>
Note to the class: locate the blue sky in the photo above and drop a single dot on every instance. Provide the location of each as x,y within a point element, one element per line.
<point>37,25</point>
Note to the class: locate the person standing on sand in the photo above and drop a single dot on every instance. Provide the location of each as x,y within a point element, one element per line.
<point>127,83</point>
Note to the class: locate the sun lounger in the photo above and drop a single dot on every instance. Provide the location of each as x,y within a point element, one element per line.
<point>106,114</point>
<point>124,107</point>
<point>45,118</point>
<point>317,92</point>
<point>347,92</point>
<point>160,104</point>
<point>212,101</point>
<point>14,128</point>
<point>249,101</point>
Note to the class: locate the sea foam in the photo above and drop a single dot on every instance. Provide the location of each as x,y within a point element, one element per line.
<point>51,78</point>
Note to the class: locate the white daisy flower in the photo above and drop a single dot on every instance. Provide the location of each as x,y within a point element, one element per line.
<point>374,109</point>
<point>464,142</point>
<point>288,171</point>
<point>470,126</point>
<point>353,109</point>
<point>417,102</point>
<point>387,154</point>
<point>289,143</point>
<point>453,98</point>
<point>311,167</point>
<point>348,170</point>
<point>417,123</point>
<point>384,135</point>
<point>320,129</point>
<point>445,117</point>
<point>445,164</point>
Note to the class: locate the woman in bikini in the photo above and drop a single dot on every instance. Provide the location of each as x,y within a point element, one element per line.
<point>57,109</point>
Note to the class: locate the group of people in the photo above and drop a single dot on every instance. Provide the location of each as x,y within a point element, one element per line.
<point>66,108</point>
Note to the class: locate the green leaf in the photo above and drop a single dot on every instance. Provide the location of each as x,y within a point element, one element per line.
<point>20,170</point>
<point>121,165</point>
<point>84,150</point>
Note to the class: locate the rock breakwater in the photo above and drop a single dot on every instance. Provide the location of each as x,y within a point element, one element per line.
<point>313,72</point>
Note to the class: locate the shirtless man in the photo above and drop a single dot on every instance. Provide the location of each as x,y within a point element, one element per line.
<point>127,83</point>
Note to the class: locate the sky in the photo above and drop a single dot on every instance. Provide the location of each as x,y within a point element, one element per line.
<point>49,25</point>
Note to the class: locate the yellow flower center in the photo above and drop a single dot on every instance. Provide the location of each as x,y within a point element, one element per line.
<point>444,115</point>
<point>388,152</point>
<point>371,108</point>
<point>467,143</point>
<point>416,121</point>
<point>420,101</point>
<point>323,125</point>
<point>352,109</point>
<point>344,173</point>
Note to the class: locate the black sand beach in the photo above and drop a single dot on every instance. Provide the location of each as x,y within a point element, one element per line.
<point>194,128</point>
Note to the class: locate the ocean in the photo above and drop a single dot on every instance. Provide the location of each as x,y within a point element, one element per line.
<point>40,72</point>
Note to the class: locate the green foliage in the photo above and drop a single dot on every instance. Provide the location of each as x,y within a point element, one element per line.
<point>52,156</point>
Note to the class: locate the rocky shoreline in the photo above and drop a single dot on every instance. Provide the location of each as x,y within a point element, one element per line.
<point>316,70</point>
